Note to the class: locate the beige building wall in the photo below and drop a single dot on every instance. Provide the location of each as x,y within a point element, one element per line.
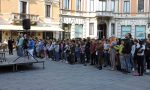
<point>36,7</point>
<point>8,6</point>
<point>55,13</point>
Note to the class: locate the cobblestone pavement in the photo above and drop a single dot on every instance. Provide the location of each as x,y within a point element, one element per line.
<point>61,76</point>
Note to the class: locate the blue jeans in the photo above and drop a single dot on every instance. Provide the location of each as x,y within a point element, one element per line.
<point>57,56</point>
<point>106,59</point>
<point>127,58</point>
<point>20,51</point>
<point>122,62</point>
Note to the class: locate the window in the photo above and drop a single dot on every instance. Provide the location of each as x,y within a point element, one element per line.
<point>78,30</point>
<point>66,4</point>
<point>102,5</point>
<point>140,6</point>
<point>126,6</point>
<point>91,29</point>
<point>78,5</point>
<point>48,10</point>
<point>140,32</point>
<point>91,5</point>
<point>23,7</point>
<point>112,5</point>
<point>112,29</point>
<point>125,30</point>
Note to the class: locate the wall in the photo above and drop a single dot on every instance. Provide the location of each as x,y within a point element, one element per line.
<point>37,7</point>
<point>9,6</point>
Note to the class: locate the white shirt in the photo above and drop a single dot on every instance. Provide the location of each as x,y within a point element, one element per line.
<point>134,47</point>
<point>142,53</point>
<point>106,46</point>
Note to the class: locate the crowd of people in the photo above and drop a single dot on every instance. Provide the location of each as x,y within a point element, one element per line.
<point>126,55</point>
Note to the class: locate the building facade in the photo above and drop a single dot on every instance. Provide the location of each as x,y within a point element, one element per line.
<point>104,18</point>
<point>43,14</point>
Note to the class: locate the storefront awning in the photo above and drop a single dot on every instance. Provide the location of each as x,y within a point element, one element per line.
<point>33,28</point>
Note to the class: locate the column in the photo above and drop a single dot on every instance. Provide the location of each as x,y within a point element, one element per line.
<point>72,31</point>
<point>87,27</point>
<point>116,28</point>
<point>108,28</point>
<point>95,28</point>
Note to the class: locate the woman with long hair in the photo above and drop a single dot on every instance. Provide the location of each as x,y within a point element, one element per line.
<point>112,52</point>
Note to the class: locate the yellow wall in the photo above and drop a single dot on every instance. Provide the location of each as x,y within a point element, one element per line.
<point>133,7</point>
<point>55,13</point>
<point>9,6</point>
<point>37,7</point>
<point>73,6</point>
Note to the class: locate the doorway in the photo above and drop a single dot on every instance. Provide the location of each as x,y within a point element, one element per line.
<point>47,35</point>
<point>67,30</point>
<point>102,31</point>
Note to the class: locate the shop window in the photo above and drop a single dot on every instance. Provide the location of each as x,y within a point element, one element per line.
<point>140,31</point>
<point>124,30</point>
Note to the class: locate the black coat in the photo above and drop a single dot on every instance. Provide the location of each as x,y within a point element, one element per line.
<point>10,44</point>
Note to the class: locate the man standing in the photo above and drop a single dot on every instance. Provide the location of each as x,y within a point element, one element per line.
<point>31,45</point>
<point>10,46</point>
<point>127,51</point>
<point>20,45</point>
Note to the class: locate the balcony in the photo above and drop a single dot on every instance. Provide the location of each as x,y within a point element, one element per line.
<point>17,18</point>
<point>104,13</point>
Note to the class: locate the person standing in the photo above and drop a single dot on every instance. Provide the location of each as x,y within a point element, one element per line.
<point>127,51</point>
<point>10,46</point>
<point>106,53</point>
<point>140,58</point>
<point>93,52</point>
<point>25,44</point>
<point>147,55</point>
<point>119,48</point>
<point>134,54</point>
<point>57,51</point>
<point>20,45</point>
<point>31,45</point>
<point>87,51</point>
<point>112,52</point>
<point>82,56</point>
<point>99,54</point>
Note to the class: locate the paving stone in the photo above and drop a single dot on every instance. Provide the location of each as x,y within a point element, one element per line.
<point>61,76</point>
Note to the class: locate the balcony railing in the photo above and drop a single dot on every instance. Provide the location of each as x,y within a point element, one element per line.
<point>143,15</point>
<point>104,13</point>
<point>18,17</point>
<point>73,12</point>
